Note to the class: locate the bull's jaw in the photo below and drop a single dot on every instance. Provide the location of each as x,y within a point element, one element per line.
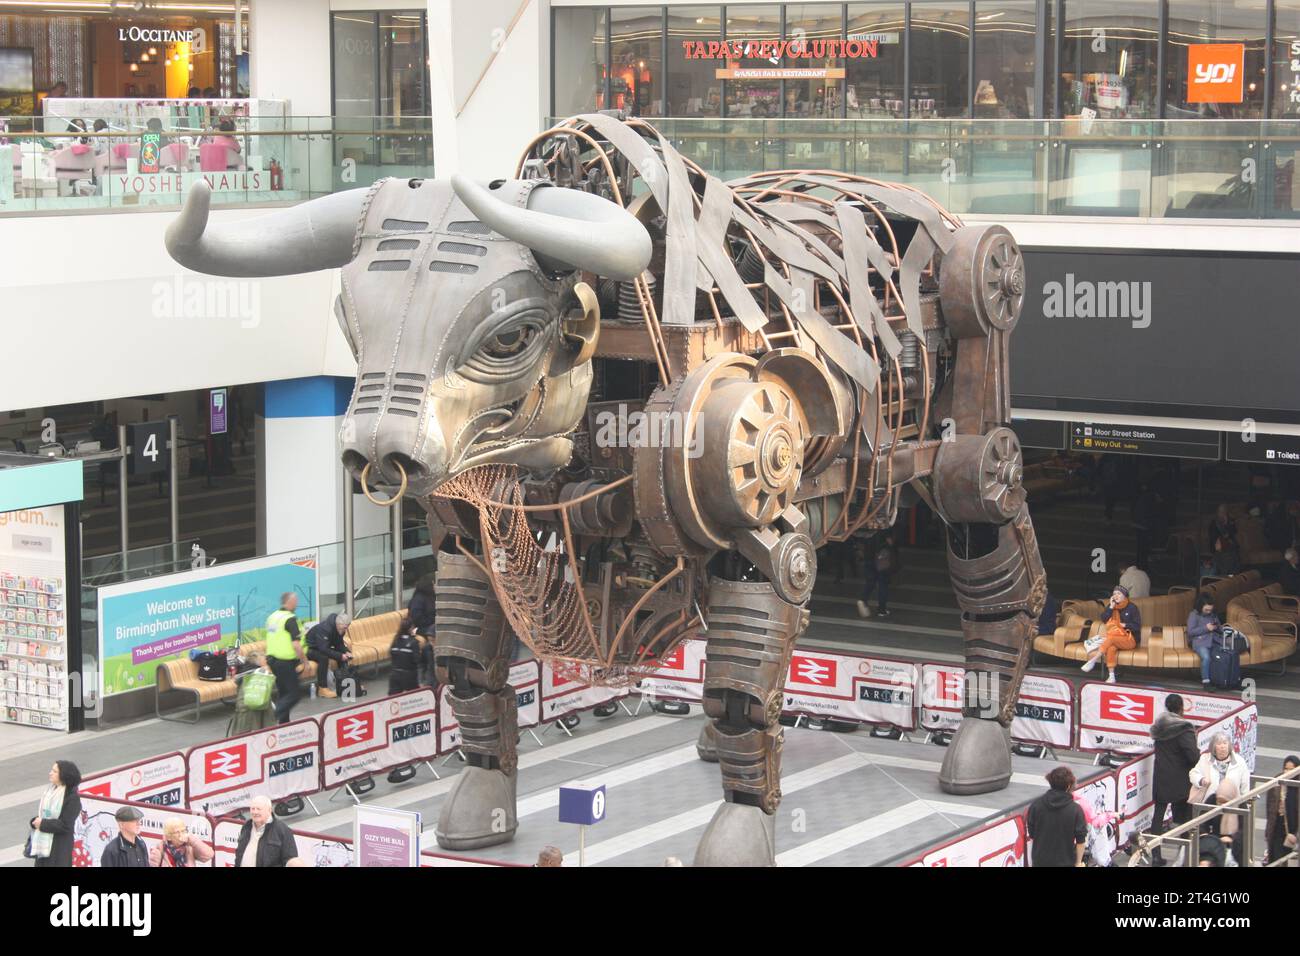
<point>541,454</point>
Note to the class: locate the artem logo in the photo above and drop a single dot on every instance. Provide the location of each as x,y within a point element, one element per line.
<point>1215,72</point>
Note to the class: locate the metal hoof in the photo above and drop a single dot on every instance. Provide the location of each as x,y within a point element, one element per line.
<point>738,835</point>
<point>479,811</point>
<point>979,758</point>
<point>707,745</point>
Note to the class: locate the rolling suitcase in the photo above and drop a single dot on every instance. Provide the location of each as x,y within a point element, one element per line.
<point>1225,659</point>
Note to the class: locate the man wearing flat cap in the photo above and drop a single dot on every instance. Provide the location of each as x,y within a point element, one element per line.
<point>127,848</point>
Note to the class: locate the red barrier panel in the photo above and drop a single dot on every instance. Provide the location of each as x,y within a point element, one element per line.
<point>376,736</point>
<point>1044,711</point>
<point>1117,718</point>
<point>280,762</point>
<point>1001,843</point>
<point>97,826</point>
<point>159,780</point>
<point>524,678</point>
<point>680,675</point>
<point>851,687</point>
<point>562,695</point>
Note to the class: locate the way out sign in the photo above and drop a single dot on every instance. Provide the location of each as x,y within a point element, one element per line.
<point>583,804</point>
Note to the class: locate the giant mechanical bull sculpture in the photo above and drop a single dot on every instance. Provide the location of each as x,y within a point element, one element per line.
<point>798,353</point>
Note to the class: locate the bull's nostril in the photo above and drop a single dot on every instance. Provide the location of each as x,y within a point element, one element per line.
<point>395,464</point>
<point>354,461</point>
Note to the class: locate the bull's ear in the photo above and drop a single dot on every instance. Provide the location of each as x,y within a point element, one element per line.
<point>584,330</point>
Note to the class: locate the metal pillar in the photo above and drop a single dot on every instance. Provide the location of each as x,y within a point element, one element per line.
<point>121,490</point>
<point>173,480</point>
<point>349,548</point>
<point>396,511</point>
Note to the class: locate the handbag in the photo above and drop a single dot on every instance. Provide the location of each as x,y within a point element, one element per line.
<point>27,847</point>
<point>257,690</point>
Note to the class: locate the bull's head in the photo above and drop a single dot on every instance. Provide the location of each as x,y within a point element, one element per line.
<point>461,303</point>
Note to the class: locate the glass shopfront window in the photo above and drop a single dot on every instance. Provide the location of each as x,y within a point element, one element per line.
<point>105,55</point>
<point>578,60</point>
<point>1005,35</point>
<point>636,54</point>
<point>1286,60</point>
<point>693,88</point>
<point>1108,58</point>
<point>874,85</point>
<point>754,90</point>
<point>810,25</point>
<point>940,48</point>
<point>380,64</point>
<point>1214,60</point>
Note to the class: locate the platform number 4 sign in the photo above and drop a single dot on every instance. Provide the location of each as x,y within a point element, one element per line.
<point>149,451</point>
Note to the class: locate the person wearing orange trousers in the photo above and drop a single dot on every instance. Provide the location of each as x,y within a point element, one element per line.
<point>1123,624</point>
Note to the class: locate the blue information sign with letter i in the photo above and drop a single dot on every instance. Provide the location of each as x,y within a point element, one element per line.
<point>583,804</point>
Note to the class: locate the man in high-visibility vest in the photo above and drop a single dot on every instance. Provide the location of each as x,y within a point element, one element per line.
<point>285,655</point>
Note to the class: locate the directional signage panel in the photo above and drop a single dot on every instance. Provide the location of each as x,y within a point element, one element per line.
<point>1036,433</point>
<point>1265,449</point>
<point>1144,440</point>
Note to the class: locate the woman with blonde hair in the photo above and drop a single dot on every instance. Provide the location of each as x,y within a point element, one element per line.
<point>179,847</point>
<point>1219,776</point>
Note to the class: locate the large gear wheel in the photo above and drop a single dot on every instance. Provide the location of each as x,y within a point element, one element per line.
<point>982,282</point>
<point>979,477</point>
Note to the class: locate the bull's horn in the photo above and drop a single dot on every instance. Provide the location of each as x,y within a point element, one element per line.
<point>305,238</point>
<point>578,229</point>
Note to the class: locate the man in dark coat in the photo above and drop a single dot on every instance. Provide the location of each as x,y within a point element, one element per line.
<point>422,613</point>
<point>264,841</point>
<point>127,849</point>
<point>1176,754</point>
<point>325,643</point>
<point>1056,824</point>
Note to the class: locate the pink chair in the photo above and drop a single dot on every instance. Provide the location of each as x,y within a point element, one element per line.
<point>175,157</point>
<point>70,164</point>
<point>125,151</point>
<point>218,157</point>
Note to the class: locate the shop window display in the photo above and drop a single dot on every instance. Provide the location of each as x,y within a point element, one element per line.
<point>578,60</point>
<point>1214,60</point>
<point>1005,34</point>
<point>1108,58</point>
<point>636,54</point>
<point>751,94</point>
<point>810,25</point>
<point>940,45</point>
<point>693,88</point>
<point>874,85</point>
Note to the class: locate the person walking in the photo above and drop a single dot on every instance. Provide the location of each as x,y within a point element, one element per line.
<point>52,829</point>
<point>264,841</point>
<point>1221,775</point>
<point>253,710</point>
<point>284,654</point>
<point>878,572</point>
<point>1282,816</point>
<point>1176,754</point>
<point>422,613</point>
<point>127,850</point>
<point>1056,824</point>
<point>1222,535</point>
<point>179,847</point>
<point>1122,623</point>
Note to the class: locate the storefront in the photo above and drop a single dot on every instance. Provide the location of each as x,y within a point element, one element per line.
<point>92,50</point>
<point>932,59</point>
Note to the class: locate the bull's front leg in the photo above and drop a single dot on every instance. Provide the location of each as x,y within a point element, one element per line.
<point>471,651</point>
<point>997,576</point>
<point>751,635</point>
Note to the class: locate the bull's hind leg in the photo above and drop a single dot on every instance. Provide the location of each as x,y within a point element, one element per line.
<point>471,651</point>
<point>751,635</point>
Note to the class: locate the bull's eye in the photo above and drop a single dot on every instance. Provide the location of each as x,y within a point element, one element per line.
<point>509,343</point>
<point>505,353</point>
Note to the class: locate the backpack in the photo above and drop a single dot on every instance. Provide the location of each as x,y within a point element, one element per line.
<point>257,690</point>
<point>212,666</point>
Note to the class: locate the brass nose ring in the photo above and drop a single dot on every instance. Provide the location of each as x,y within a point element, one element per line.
<point>382,502</point>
